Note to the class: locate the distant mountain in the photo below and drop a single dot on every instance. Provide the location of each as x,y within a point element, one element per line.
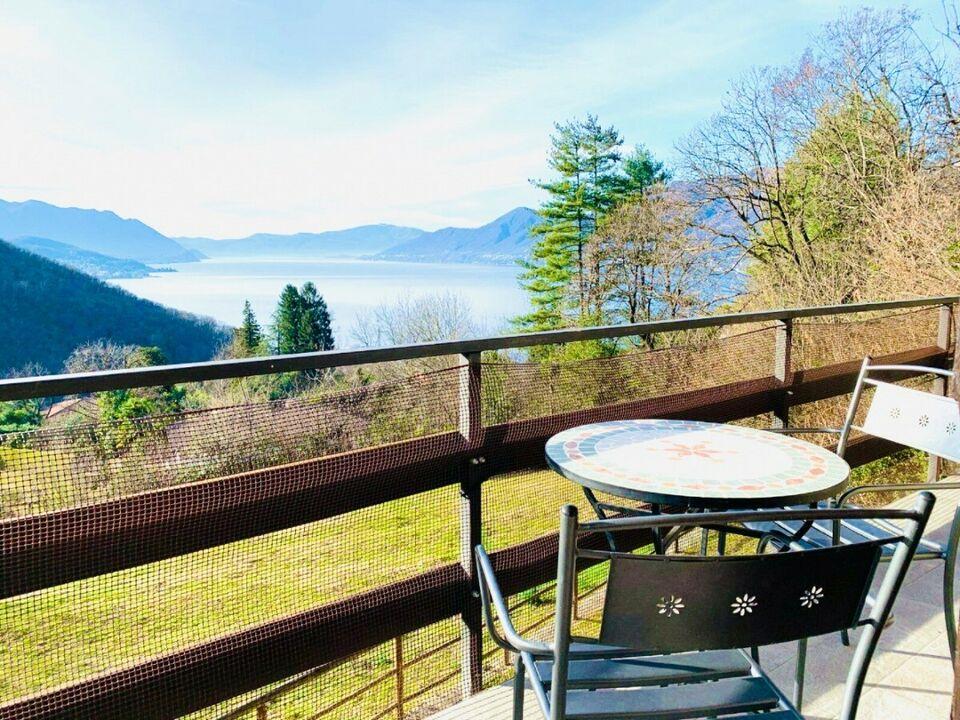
<point>96,230</point>
<point>91,263</point>
<point>50,309</point>
<point>503,240</point>
<point>352,242</point>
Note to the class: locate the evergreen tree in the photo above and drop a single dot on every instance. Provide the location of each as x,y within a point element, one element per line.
<point>315,331</point>
<point>287,321</point>
<point>302,321</point>
<point>593,178</point>
<point>249,334</point>
<point>640,172</point>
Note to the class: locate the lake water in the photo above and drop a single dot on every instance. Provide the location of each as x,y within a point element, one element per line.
<point>217,287</point>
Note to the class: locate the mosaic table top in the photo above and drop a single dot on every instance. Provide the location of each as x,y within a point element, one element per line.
<point>697,464</point>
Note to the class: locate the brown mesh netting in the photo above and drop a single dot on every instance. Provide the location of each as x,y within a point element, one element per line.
<point>300,558</point>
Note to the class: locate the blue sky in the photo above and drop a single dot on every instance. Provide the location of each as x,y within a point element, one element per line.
<point>228,118</point>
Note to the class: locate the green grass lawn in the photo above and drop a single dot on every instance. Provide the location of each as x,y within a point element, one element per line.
<point>72,631</point>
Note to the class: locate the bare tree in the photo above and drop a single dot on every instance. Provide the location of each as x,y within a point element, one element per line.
<point>651,262</point>
<point>431,317</point>
<point>802,156</point>
<point>98,355</point>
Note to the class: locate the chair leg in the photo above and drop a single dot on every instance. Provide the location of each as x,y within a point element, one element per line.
<point>721,542</point>
<point>845,637</point>
<point>704,541</point>
<point>801,671</point>
<point>949,570</point>
<point>518,689</point>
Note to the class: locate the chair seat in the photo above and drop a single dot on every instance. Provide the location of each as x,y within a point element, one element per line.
<point>851,531</point>
<point>655,670</point>
<point>677,702</point>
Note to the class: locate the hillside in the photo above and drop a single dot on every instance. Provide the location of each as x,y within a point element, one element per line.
<point>503,240</point>
<point>95,230</point>
<point>86,261</point>
<point>352,242</point>
<point>50,309</point>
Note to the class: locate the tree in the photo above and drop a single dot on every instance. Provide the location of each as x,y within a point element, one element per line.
<point>651,263</point>
<point>98,355</point>
<point>592,178</point>
<point>801,157</point>
<point>641,171</point>
<point>315,331</point>
<point>433,317</point>
<point>22,415</point>
<point>247,338</point>
<point>119,407</point>
<point>287,321</point>
<point>302,321</point>
<point>585,155</point>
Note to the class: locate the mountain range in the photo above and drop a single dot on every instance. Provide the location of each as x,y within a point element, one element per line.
<point>99,231</point>
<point>504,240</point>
<point>352,242</point>
<point>65,234</point>
<point>100,266</point>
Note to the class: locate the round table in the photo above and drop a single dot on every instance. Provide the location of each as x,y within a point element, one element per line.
<point>696,464</point>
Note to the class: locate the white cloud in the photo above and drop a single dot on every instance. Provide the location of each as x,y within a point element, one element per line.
<point>224,121</point>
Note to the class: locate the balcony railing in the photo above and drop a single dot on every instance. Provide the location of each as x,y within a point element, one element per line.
<point>310,556</point>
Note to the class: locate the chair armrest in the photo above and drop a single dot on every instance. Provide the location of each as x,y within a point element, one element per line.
<point>895,487</point>
<point>491,595</point>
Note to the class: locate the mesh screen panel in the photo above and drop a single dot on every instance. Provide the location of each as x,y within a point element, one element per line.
<point>818,342</point>
<point>515,391</point>
<point>301,557</point>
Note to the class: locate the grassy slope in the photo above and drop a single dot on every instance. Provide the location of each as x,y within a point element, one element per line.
<point>74,630</point>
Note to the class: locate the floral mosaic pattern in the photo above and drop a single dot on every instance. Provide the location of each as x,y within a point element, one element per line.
<point>687,459</point>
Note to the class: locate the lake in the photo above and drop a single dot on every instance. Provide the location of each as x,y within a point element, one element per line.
<point>217,287</point>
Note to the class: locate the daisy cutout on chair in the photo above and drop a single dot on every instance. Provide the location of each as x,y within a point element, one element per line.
<point>744,604</point>
<point>811,597</point>
<point>670,607</point>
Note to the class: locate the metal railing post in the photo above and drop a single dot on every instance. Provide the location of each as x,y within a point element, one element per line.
<point>471,427</point>
<point>782,369</point>
<point>944,327</point>
<point>398,662</point>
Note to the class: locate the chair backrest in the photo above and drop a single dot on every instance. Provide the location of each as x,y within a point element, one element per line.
<point>662,604</point>
<point>922,420</point>
<point>914,418</point>
<point>668,604</point>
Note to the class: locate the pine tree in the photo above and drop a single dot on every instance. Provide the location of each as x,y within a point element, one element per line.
<point>287,321</point>
<point>586,157</point>
<point>640,172</point>
<point>250,331</point>
<point>247,338</point>
<point>315,330</point>
<point>302,321</point>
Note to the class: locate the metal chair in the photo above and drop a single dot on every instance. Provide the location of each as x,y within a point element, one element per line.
<point>673,625</point>
<point>914,418</point>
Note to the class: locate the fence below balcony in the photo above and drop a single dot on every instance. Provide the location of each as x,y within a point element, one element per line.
<point>309,557</point>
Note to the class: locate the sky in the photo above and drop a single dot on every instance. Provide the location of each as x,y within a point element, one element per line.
<point>222,119</point>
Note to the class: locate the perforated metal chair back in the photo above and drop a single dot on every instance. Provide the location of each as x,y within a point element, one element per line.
<point>669,604</point>
<point>915,418</point>
<point>664,604</point>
